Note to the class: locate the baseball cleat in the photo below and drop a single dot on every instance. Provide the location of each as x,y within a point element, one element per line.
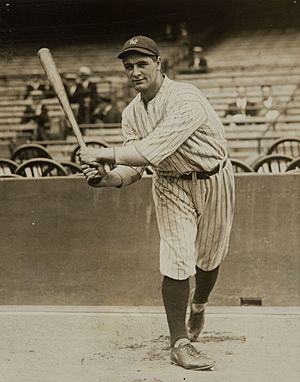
<point>196,320</point>
<point>188,357</point>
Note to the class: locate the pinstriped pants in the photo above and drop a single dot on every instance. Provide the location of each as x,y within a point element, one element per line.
<point>194,220</point>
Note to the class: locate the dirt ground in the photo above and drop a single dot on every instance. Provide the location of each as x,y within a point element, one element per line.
<point>48,344</point>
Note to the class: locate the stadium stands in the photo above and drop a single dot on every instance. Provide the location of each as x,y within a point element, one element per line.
<point>254,61</point>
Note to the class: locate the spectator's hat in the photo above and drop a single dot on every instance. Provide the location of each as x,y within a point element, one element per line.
<point>142,44</point>
<point>198,49</point>
<point>85,70</point>
<point>70,76</point>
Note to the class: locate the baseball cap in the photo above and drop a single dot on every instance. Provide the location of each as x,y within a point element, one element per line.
<point>141,44</point>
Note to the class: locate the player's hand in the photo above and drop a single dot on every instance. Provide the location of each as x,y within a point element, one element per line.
<point>91,155</point>
<point>88,155</point>
<point>93,173</point>
<point>95,176</point>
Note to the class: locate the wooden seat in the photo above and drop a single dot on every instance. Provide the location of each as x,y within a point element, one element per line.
<point>40,167</point>
<point>71,168</point>
<point>294,165</point>
<point>286,146</point>
<point>272,163</point>
<point>240,166</point>
<point>29,151</point>
<point>7,166</point>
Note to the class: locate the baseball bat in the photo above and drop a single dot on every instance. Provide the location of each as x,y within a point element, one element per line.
<point>55,80</point>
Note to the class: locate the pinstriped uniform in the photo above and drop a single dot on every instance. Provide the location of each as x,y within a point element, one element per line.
<point>180,133</point>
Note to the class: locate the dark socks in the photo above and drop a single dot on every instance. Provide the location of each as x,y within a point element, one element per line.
<point>205,281</point>
<point>175,297</point>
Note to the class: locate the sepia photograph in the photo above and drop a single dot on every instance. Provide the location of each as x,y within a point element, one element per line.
<point>149,190</point>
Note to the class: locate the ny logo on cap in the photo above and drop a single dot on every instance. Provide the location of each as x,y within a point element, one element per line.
<point>133,41</point>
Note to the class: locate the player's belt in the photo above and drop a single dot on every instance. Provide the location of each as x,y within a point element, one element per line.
<point>202,174</point>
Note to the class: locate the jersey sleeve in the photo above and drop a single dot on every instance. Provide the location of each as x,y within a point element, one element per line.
<point>184,115</point>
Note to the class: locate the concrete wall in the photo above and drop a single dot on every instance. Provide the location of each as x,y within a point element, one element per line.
<point>65,243</point>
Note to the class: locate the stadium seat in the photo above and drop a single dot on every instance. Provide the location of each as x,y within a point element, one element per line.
<point>7,166</point>
<point>71,168</point>
<point>29,151</point>
<point>286,146</point>
<point>40,167</point>
<point>294,165</point>
<point>239,166</point>
<point>272,163</point>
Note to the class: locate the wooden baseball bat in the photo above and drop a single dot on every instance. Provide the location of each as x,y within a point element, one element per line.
<point>55,80</point>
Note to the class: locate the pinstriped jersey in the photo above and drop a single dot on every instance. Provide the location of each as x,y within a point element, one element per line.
<point>178,131</point>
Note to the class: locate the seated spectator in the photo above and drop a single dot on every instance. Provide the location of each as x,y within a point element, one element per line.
<point>242,106</point>
<point>85,95</point>
<point>35,83</point>
<point>48,91</point>
<point>267,104</point>
<point>108,111</point>
<point>70,83</point>
<point>198,61</point>
<point>37,113</point>
<point>39,83</point>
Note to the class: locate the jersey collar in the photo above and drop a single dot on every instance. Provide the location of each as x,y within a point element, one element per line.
<point>166,82</point>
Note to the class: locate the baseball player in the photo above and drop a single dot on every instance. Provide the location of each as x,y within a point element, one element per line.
<point>172,127</point>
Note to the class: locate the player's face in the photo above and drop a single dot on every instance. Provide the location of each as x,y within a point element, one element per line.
<point>143,72</point>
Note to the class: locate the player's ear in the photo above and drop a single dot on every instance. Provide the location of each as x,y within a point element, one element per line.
<point>158,61</point>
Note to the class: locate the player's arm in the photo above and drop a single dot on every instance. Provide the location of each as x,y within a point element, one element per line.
<point>127,156</point>
<point>130,164</point>
<point>118,177</point>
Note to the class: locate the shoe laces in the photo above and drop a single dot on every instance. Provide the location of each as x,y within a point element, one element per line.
<point>191,350</point>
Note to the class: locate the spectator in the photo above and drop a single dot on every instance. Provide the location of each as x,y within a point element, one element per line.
<point>242,106</point>
<point>108,111</point>
<point>267,105</point>
<point>34,84</point>
<point>37,113</point>
<point>48,91</point>
<point>38,83</point>
<point>198,62</point>
<point>70,82</point>
<point>85,95</point>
